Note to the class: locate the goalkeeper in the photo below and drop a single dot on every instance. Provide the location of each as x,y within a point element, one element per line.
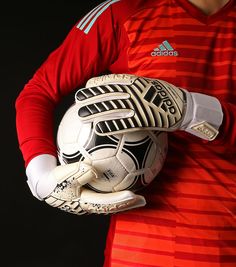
<point>173,69</point>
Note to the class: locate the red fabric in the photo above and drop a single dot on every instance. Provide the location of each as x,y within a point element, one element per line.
<point>189,219</point>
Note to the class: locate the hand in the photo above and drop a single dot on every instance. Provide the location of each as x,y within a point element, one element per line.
<point>62,187</point>
<point>119,103</point>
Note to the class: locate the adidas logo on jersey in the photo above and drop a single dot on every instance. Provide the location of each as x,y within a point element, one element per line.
<point>164,49</point>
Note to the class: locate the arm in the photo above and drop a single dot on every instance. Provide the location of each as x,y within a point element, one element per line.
<point>82,55</point>
<point>64,70</point>
<point>227,131</point>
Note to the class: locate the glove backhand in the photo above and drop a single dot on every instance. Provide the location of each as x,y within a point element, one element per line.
<point>128,102</point>
<point>118,103</point>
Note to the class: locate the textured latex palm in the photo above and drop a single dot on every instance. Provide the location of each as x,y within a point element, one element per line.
<point>70,195</point>
<point>62,187</point>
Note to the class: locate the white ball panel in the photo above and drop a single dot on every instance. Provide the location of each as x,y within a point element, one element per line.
<point>126,182</point>
<point>126,161</point>
<point>70,127</point>
<point>149,176</point>
<point>117,168</point>
<point>111,173</point>
<point>135,136</point>
<point>160,152</point>
<point>103,153</point>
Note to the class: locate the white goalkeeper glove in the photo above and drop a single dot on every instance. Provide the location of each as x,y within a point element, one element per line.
<point>62,187</point>
<point>119,103</point>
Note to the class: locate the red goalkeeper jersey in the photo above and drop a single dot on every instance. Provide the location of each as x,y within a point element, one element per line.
<point>190,216</point>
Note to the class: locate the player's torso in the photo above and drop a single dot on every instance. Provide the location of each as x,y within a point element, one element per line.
<point>174,41</point>
<point>190,215</point>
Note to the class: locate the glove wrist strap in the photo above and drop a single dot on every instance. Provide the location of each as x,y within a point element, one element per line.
<point>203,116</point>
<point>37,171</point>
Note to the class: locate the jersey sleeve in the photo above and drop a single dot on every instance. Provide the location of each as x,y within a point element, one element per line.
<point>227,131</point>
<point>88,50</point>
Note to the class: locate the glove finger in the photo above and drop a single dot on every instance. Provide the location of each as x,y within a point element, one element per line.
<point>99,203</point>
<point>67,206</point>
<point>111,79</point>
<point>91,202</point>
<point>73,174</point>
<point>70,178</point>
<point>106,110</point>
<point>117,126</point>
<point>86,96</point>
<point>109,87</point>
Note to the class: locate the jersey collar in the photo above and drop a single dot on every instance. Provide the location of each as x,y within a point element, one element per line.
<point>200,16</point>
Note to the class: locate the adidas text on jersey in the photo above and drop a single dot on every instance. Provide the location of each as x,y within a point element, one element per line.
<point>164,49</point>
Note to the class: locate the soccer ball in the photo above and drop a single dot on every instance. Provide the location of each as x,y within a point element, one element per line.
<point>124,161</point>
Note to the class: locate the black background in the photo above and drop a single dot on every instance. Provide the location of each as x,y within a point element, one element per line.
<point>33,233</point>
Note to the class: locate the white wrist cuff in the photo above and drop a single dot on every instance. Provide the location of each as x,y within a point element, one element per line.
<point>37,173</point>
<point>203,116</point>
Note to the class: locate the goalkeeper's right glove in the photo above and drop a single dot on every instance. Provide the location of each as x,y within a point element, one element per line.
<point>62,187</point>
<point>119,103</point>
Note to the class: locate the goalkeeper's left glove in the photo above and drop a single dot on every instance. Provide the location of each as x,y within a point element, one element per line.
<point>62,187</point>
<point>119,103</point>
